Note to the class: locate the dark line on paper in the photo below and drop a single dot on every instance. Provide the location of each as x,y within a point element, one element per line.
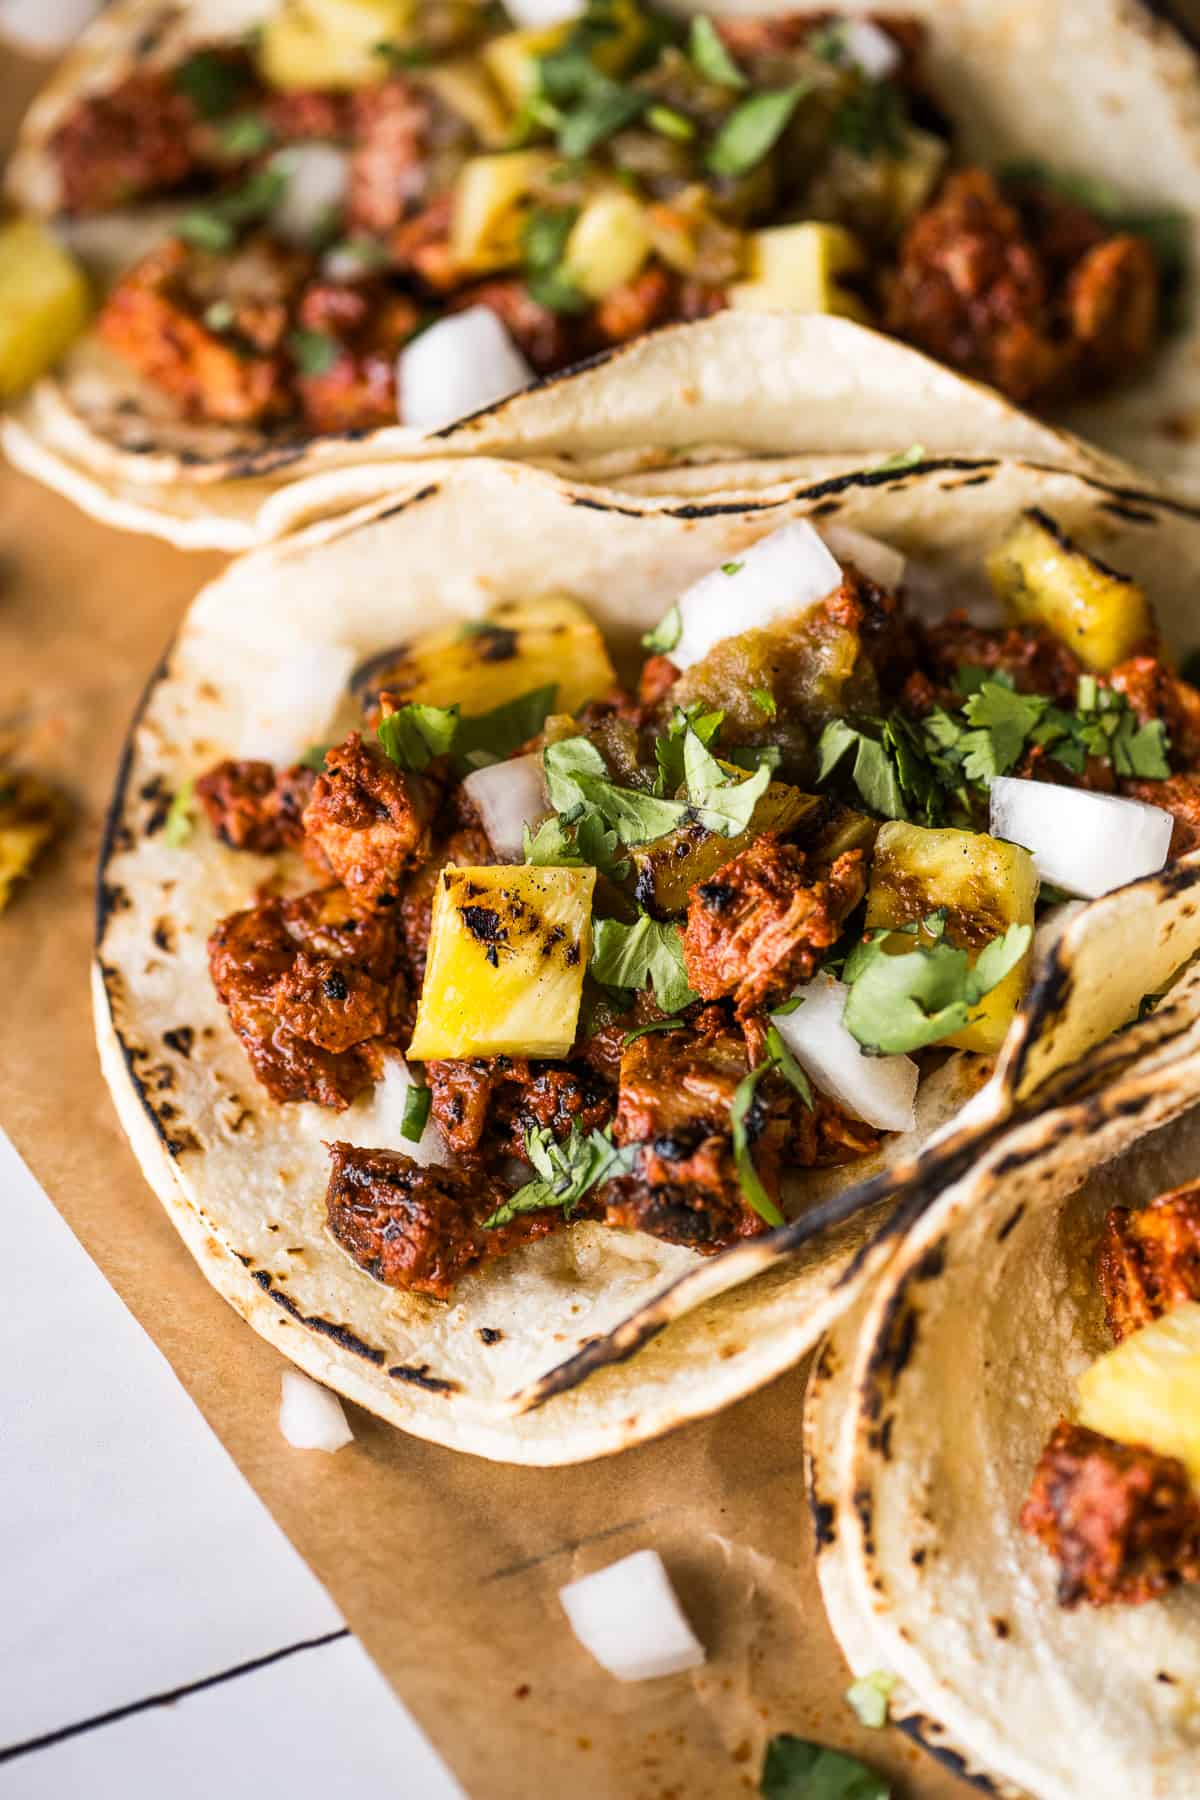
<point>169,1696</point>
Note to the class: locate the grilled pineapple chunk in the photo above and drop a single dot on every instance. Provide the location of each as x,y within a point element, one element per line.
<point>1045,579</point>
<point>795,268</point>
<point>667,868</point>
<point>43,303</point>
<point>507,953</point>
<point>463,86</point>
<point>512,60</point>
<point>30,816</point>
<point>492,198</point>
<point>608,244</point>
<point>985,884</point>
<point>520,646</point>
<point>1147,1390</point>
<point>331,43</point>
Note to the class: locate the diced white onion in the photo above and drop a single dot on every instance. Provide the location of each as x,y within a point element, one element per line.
<point>781,575</point>
<point>872,49</point>
<point>877,560</point>
<point>535,15</point>
<point>627,1616</point>
<point>509,796</point>
<point>462,363</point>
<point>290,708</point>
<point>310,1417</point>
<point>317,175</point>
<point>45,25</point>
<point>880,1089</point>
<point>1085,843</point>
<point>374,1121</point>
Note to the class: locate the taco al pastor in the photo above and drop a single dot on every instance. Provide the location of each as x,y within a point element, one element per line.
<point>350,222</point>
<point>487,1015</point>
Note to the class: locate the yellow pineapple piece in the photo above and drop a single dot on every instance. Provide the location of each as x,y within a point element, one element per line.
<point>986,885</point>
<point>795,268</point>
<point>464,87</point>
<point>511,60</point>
<point>331,43</point>
<point>44,303</point>
<point>1147,1390</point>
<point>31,814</point>
<point>669,866</point>
<point>608,244</point>
<point>492,199</point>
<point>1043,578</point>
<point>520,646</point>
<point>508,948</point>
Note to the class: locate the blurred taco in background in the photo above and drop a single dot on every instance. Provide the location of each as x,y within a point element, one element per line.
<point>533,958</point>
<point>332,221</point>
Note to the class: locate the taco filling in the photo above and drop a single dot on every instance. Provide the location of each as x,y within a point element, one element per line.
<point>644,953</point>
<point>1116,1494</point>
<point>403,209</point>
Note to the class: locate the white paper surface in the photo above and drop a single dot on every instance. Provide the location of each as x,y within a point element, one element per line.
<point>136,1560</point>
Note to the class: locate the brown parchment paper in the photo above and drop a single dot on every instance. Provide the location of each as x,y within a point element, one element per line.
<point>446,1567</point>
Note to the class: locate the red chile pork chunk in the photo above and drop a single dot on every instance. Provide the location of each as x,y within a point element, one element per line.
<point>509,1097</point>
<point>370,821</point>
<point>1150,1259</point>
<point>313,992</point>
<point>250,807</point>
<point>1121,1521</point>
<point>420,1229</point>
<point>757,928</point>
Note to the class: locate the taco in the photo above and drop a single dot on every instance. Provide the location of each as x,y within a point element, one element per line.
<point>493,1023</point>
<point>349,222</point>
<point>1007,1504</point>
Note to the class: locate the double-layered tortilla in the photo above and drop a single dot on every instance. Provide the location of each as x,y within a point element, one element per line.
<point>325,229</point>
<point>490,1110</point>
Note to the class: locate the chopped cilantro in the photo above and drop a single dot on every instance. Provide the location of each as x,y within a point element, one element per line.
<point>313,757</point>
<point>627,956</point>
<point>589,105</point>
<point>668,746</point>
<point>565,1171</point>
<point>741,1119</point>
<point>891,770</point>
<point>671,124</point>
<point>720,802</point>
<point>709,55</point>
<point>215,225</point>
<point>902,1002</point>
<point>213,83</point>
<point>543,241</point>
<point>414,734</point>
<point>764,699</point>
<point>868,1697</point>
<point>786,1063</point>
<point>177,828</point>
<point>246,135</point>
<point>732,568</point>
<point>752,130</point>
<point>796,1770</point>
<point>417,1102</point>
<point>577,778</point>
<point>872,120</point>
<point>666,634</point>
<point>654,1025</point>
<point>315,352</point>
<point>583,844</point>
<point>492,736</point>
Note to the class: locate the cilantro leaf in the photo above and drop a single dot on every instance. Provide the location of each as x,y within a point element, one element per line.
<point>417,1102</point>
<point>177,827</point>
<point>873,772</point>
<point>543,242</point>
<point>741,1119</point>
<point>215,225</point>
<point>709,55</point>
<point>1002,721</point>
<point>563,764</point>
<point>752,130</point>
<point>905,1001</point>
<point>314,352</point>
<point>635,816</point>
<point>245,135</point>
<point>492,736</point>
<point>627,956</point>
<point>565,1171</point>
<point>796,1770</point>
<point>668,746</point>
<point>721,804</point>
<point>314,757</point>
<point>414,734</point>
<point>785,1062</point>
<point>666,634</point>
<point>654,1025</point>
<point>764,699</point>
<point>584,844</point>
<point>213,83</point>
